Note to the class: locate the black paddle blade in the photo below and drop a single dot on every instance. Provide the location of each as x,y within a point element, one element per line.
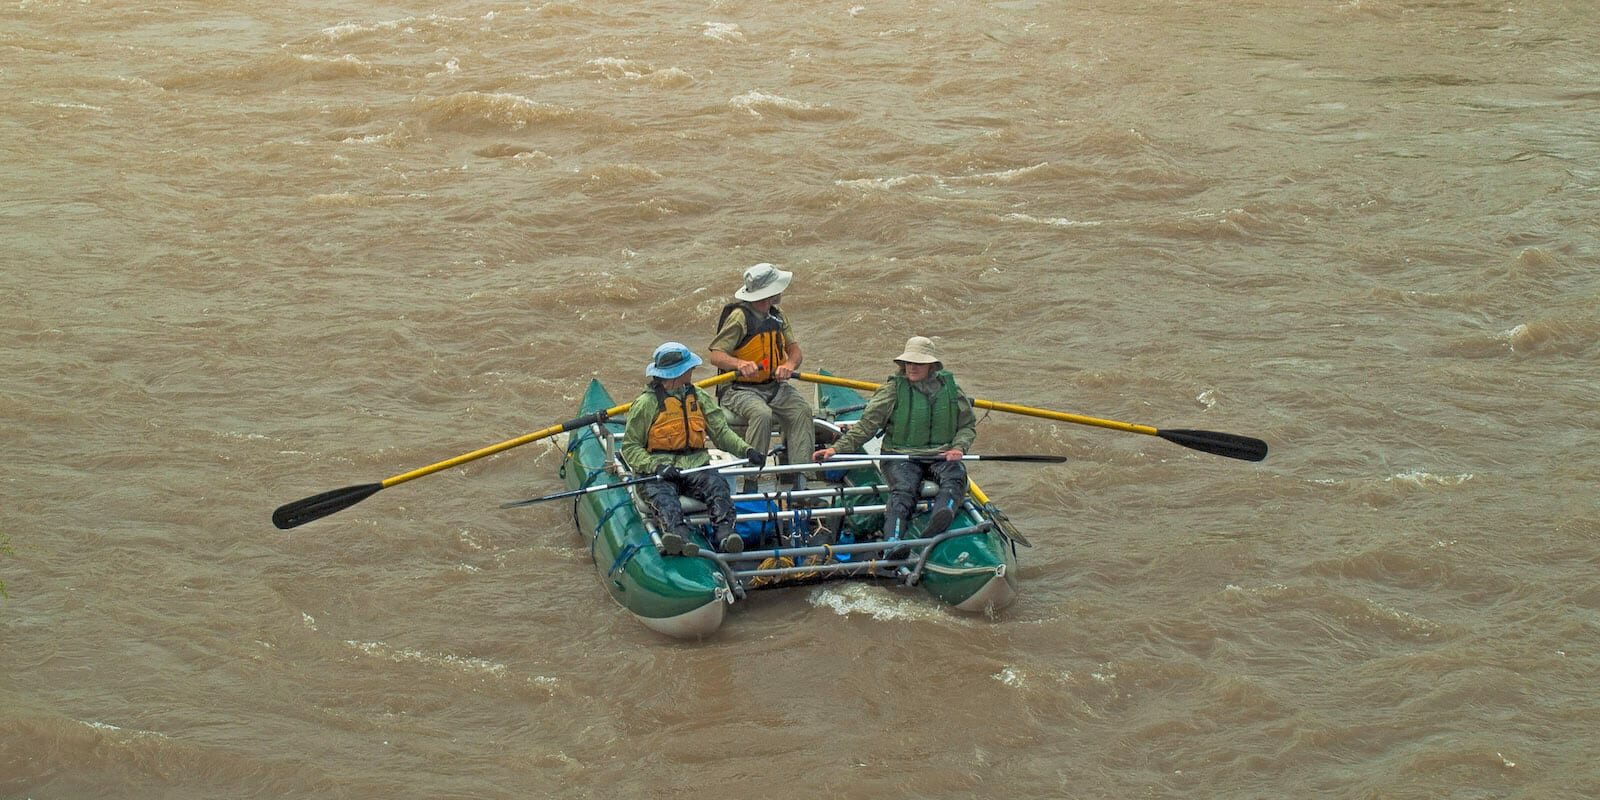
<point>534,500</point>
<point>1007,529</point>
<point>290,515</point>
<point>1231,445</point>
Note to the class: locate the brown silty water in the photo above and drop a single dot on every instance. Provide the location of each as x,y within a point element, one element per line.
<point>255,252</point>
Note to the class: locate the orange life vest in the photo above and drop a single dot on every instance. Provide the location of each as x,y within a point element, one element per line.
<point>680,425</point>
<point>763,341</point>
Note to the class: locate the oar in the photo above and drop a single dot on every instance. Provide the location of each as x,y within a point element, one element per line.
<point>299,512</point>
<point>600,487</point>
<point>1001,521</point>
<point>1034,459</point>
<point>1231,445</point>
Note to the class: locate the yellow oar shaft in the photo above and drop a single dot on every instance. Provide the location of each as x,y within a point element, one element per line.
<point>524,439</point>
<point>486,451</point>
<point>977,494</point>
<point>1062,416</point>
<point>1006,407</point>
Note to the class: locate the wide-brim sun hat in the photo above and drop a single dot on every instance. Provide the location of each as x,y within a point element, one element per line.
<point>919,350</point>
<point>670,361</point>
<point>763,281</point>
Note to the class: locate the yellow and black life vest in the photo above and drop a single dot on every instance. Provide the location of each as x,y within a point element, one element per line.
<point>763,341</point>
<point>680,425</point>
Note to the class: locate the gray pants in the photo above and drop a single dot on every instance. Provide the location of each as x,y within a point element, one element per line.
<point>761,405</point>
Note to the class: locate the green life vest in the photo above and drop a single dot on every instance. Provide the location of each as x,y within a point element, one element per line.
<point>919,421</point>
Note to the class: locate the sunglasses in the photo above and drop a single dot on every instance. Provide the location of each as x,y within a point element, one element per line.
<point>671,358</point>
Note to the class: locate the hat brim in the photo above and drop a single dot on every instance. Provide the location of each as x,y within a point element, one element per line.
<point>676,370</point>
<point>909,357</point>
<point>770,290</point>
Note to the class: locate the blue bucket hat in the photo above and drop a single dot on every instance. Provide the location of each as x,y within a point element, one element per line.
<point>671,360</point>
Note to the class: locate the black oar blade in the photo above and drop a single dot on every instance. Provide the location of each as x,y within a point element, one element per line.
<point>1030,459</point>
<point>536,500</point>
<point>1231,445</point>
<point>1010,531</point>
<point>290,515</point>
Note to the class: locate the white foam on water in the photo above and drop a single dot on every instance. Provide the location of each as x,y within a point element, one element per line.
<point>371,138</point>
<point>722,31</point>
<point>755,100</point>
<point>1001,176</point>
<point>347,58</point>
<point>1055,222</point>
<point>1419,477</point>
<point>1010,676</point>
<point>1409,622</point>
<point>855,598</point>
<point>891,182</point>
<point>1513,334</point>
<point>106,726</point>
<point>404,24</point>
<point>613,67</point>
<point>71,105</point>
<point>445,660</point>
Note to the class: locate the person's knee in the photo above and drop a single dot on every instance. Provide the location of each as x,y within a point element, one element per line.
<point>798,421</point>
<point>758,419</point>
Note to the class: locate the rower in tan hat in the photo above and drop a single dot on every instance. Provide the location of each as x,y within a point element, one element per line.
<point>921,412</point>
<point>754,340</point>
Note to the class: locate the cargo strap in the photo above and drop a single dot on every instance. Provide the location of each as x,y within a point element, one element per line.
<point>601,522</point>
<point>623,557</point>
<point>600,525</point>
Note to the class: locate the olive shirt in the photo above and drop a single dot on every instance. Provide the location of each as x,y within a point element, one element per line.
<point>732,331</point>
<point>879,413</point>
<point>637,433</point>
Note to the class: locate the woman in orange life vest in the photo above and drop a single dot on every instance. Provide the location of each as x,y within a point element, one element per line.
<point>921,412</point>
<point>754,339</point>
<point>668,428</point>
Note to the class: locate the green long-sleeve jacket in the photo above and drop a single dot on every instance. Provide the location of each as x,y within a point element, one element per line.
<point>879,414</point>
<point>644,411</point>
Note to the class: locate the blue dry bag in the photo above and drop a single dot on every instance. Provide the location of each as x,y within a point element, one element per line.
<point>755,532</point>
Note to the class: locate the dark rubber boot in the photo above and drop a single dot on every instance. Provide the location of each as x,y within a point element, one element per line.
<point>678,543</point>
<point>944,510</point>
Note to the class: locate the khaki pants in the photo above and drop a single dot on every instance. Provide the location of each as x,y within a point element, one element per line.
<point>760,406</point>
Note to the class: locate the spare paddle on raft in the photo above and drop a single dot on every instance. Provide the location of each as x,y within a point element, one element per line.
<point>600,487</point>
<point>1032,459</point>
<point>299,512</point>
<point>1230,445</point>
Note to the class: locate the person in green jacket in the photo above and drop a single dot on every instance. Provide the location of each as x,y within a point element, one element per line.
<point>669,426</point>
<point>920,412</point>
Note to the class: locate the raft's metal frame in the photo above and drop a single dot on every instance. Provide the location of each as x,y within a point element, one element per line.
<point>907,569</point>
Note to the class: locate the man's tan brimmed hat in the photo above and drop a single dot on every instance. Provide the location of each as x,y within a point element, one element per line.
<point>763,281</point>
<point>919,350</point>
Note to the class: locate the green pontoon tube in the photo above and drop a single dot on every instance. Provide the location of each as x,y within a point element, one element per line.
<point>792,537</point>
